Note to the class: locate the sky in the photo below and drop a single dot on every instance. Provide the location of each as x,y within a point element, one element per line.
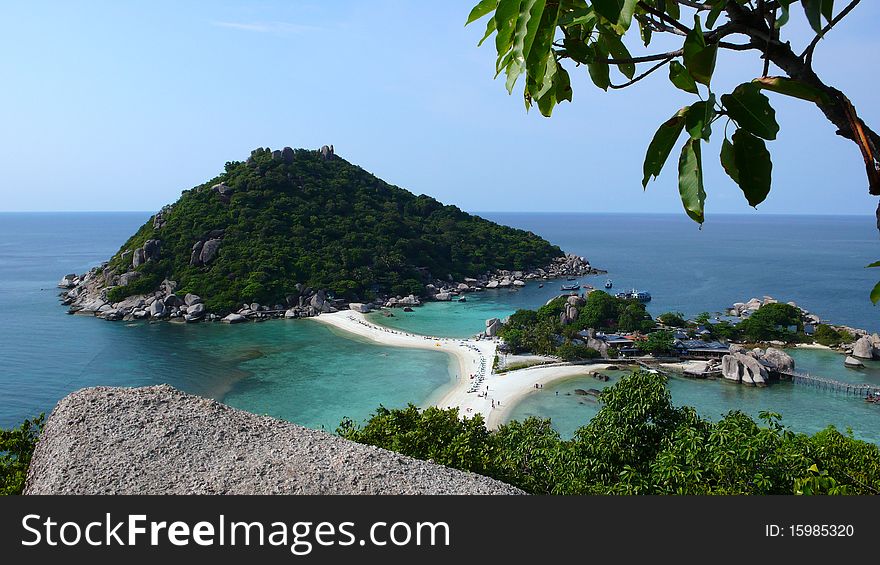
<point>122,105</point>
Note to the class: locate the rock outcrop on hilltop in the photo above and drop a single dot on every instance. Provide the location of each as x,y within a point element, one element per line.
<point>158,440</point>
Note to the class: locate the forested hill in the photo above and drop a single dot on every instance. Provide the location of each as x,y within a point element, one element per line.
<point>311,217</point>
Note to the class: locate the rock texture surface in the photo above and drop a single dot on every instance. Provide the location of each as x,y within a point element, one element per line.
<point>158,440</point>
<point>744,369</point>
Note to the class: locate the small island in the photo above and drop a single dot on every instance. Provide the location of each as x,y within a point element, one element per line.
<point>296,233</point>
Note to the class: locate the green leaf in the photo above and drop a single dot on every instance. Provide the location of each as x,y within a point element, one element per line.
<point>647,33</point>
<point>481,9</point>
<point>600,75</point>
<point>680,77</point>
<point>505,22</point>
<point>527,26</point>
<point>619,51</point>
<point>793,88</point>
<point>813,10</point>
<point>751,110</point>
<point>525,23</point>
<point>699,119</point>
<point>699,58</point>
<point>828,9</point>
<point>753,165</point>
<point>598,69</point>
<point>582,17</point>
<point>875,294</point>
<point>782,18</point>
<point>661,145</point>
<point>717,8</point>
<point>490,29</point>
<point>578,51</point>
<point>690,180</point>
<point>728,161</point>
<point>542,46</point>
<point>618,12</point>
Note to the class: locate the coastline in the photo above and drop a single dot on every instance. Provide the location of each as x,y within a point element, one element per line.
<point>474,357</point>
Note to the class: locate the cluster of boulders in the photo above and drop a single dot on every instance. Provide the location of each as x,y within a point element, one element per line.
<point>570,312</point>
<point>568,266</point>
<point>287,154</point>
<point>746,309</point>
<point>206,248</point>
<point>755,367</point>
<point>90,299</point>
<point>866,347</point>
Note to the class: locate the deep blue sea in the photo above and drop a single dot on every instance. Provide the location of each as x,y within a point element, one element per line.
<point>305,373</point>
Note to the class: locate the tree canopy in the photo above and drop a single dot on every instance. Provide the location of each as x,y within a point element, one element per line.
<point>533,38</point>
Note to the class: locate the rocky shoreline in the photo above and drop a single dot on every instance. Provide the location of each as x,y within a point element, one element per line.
<point>87,294</point>
<point>866,345</point>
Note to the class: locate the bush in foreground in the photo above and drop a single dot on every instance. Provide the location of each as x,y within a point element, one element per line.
<point>16,448</point>
<point>638,443</point>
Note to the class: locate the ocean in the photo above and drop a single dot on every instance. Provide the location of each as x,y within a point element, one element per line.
<point>304,372</point>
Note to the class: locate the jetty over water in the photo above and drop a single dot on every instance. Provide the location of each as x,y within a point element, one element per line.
<point>806,379</point>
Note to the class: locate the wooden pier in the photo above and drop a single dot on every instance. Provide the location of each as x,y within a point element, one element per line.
<point>805,379</point>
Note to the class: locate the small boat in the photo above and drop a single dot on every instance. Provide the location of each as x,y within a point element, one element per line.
<point>541,285</point>
<point>462,299</point>
<point>570,287</point>
<point>609,283</point>
<point>634,295</point>
<point>571,279</point>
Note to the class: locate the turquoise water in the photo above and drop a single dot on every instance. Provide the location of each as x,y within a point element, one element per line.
<point>464,319</point>
<point>297,369</point>
<point>303,372</point>
<point>802,409</point>
<point>316,378</point>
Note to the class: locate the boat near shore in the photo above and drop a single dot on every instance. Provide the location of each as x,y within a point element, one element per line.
<point>634,294</point>
<point>570,287</point>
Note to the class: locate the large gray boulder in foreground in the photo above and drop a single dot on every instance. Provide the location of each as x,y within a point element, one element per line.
<point>158,440</point>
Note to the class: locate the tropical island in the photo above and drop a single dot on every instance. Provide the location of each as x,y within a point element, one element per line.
<point>294,233</point>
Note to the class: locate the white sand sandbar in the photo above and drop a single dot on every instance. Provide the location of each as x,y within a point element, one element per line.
<point>477,389</point>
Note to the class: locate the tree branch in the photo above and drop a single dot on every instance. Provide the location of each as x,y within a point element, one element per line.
<point>641,76</point>
<point>664,17</point>
<point>807,55</point>
<point>837,107</point>
<point>647,58</point>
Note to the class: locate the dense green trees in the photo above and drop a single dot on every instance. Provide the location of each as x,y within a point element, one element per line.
<point>638,443</point>
<point>772,321</point>
<point>672,319</point>
<point>826,335</point>
<point>325,223</point>
<point>657,343</point>
<point>541,331</point>
<point>16,448</point>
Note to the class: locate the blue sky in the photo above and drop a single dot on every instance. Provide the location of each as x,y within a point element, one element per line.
<point>121,105</point>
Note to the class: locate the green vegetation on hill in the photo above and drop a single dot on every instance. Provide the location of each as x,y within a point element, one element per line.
<point>542,331</point>
<point>322,222</point>
<point>638,443</point>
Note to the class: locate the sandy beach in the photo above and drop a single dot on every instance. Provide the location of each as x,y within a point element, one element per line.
<point>488,394</point>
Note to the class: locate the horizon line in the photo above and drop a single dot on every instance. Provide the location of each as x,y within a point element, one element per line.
<point>524,212</point>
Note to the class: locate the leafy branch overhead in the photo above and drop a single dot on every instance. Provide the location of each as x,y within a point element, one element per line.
<point>534,37</point>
